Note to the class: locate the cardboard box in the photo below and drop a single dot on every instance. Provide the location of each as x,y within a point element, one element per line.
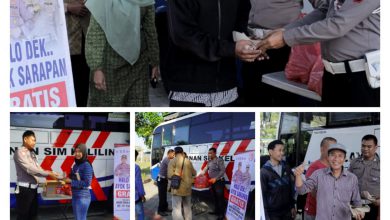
<point>53,188</point>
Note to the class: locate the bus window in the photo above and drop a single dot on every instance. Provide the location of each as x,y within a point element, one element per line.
<point>157,150</point>
<point>167,135</point>
<point>289,123</point>
<point>241,126</point>
<point>313,120</point>
<point>181,132</point>
<point>352,118</point>
<point>211,131</point>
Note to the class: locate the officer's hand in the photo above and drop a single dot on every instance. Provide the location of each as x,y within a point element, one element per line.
<point>212,180</point>
<point>77,8</point>
<point>246,50</point>
<point>100,80</point>
<point>298,171</point>
<point>155,72</point>
<point>53,175</point>
<point>67,180</point>
<point>273,40</point>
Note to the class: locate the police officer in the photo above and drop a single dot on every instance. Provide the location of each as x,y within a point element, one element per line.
<point>162,183</point>
<point>347,30</point>
<point>123,169</point>
<point>367,169</point>
<point>216,171</point>
<point>28,171</point>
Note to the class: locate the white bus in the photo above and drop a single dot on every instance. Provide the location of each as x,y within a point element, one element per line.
<point>56,136</point>
<point>230,133</point>
<point>303,132</point>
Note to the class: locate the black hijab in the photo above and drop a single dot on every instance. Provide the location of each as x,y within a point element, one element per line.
<point>83,149</point>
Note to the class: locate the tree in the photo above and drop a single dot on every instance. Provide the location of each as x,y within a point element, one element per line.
<point>145,122</point>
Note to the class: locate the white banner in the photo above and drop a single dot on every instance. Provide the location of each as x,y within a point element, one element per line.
<point>240,186</point>
<point>122,183</point>
<point>40,67</point>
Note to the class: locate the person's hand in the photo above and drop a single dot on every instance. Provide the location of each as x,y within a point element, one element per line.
<point>298,171</point>
<point>246,50</point>
<point>67,180</point>
<point>77,8</point>
<point>100,80</point>
<point>377,202</point>
<point>273,40</point>
<point>293,213</point>
<point>53,175</point>
<point>212,180</point>
<point>155,72</point>
<point>143,199</point>
<point>359,215</point>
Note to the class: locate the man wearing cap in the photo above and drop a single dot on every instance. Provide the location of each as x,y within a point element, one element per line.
<point>162,183</point>
<point>28,171</point>
<point>123,169</point>
<point>367,170</point>
<point>337,188</point>
<point>311,201</point>
<point>181,197</point>
<point>347,30</point>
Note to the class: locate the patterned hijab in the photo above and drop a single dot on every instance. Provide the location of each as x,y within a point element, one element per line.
<point>121,23</point>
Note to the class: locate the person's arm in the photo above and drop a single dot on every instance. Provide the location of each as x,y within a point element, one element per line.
<point>317,14</point>
<point>138,182</point>
<point>86,173</point>
<point>186,33</point>
<point>307,186</point>
<point>341,22</point>
<point>171,169</point>
<point>149,27</point>
<point>243,10</point>
<point>355,198</point>
<point>21,159</point>
<point>95,43</point>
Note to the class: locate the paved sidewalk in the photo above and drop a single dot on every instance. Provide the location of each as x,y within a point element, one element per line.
<point>199,213</point>
<point>157,96</point>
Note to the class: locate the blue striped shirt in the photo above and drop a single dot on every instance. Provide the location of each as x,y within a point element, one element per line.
<point>334,195</point>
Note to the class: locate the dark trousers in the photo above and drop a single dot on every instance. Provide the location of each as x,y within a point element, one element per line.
<point>348,90</point>
<point>219,200</point>
<point>173,103</point>
<point>26,203</point>
<point>162,185</point>
<point>255,92</point>
<point>373,214</point>
<point>286,215</point>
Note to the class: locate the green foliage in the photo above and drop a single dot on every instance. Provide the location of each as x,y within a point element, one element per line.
<point>145,122</point>
<point>269,125</point>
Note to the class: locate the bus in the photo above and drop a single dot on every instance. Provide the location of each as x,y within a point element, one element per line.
<point>302,133</point>
<point>56,136</point>
<point>230,133</point>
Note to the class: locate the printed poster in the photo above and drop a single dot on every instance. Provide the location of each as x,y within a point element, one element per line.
<point>122,183</point>
<point>240,185</point>
<point>40,67</point>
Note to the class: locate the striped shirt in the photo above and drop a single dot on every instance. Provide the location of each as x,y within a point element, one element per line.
<point>208,99</point>
<point>334,195</point>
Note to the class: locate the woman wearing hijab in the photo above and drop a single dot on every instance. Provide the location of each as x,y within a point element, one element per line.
<point>121,43</point>
<point>80,180</point>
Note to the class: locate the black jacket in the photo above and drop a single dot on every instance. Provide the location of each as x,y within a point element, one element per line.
<point>278,191</point>
<point>201,51</point>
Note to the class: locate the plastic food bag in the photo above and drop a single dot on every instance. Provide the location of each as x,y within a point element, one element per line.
<point>305,66</point>
<point>201,181</point>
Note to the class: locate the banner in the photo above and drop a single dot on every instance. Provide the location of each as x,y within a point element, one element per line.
<point>122,183</point>
<point>241,185</point>
<point>40,67</point>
